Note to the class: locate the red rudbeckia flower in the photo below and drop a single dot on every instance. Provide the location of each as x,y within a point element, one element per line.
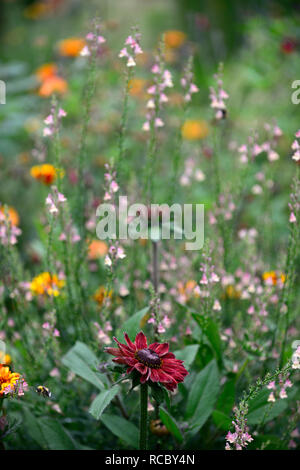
<point>153,362</point>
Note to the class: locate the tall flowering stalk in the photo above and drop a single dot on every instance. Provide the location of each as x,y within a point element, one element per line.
<point>240,438</point>
<point>95,41</point>
<point>218,104</point>
<point>129,52</point>
<point>188,88</point>
<point>115,250</point>
<point>218,97</point>
<point>284,306</point>
<point>162,79</point>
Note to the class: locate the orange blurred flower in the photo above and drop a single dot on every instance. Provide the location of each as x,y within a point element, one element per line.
<point>194,130</point>
<point>46,71</point>
<point>71,47</point>
<point>36,10</point>
<point>5,358</point>
<point>13,216</point>
<point>97,249</point>
<point>52,85</point>
<point>101,294</point>
<point>137,86</point>
<point>7,378</point>
<point>45,173</point>
<point>174,38</point>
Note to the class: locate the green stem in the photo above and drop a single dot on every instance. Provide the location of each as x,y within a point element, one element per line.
<point>144,416</point>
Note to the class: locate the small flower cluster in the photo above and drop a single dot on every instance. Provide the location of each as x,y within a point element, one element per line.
<point>209,279</point>
<point>162,79</point>
<point>240,437</point>
<point>283,384</point>
<point>94,41</point>
<point>54,200</point>
<point>132,44</point>
<point>52,121</point>
<point>249,151</point>
<point>294,205</point>
<point>190,172</point>
<point>274,133</point>
<point>296,147</point>
<point>103,333</point>
<point>225,209</point>
<point>218,97</point>
<point>187,84</point>
<point>49,326</point>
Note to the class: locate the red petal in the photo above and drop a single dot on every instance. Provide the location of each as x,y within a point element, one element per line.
<point>145,377</point>
<point>141,340</point>
<point>131,345</point>
<point>113,351</point>
<point>161,349</point>
<point>141,368</point>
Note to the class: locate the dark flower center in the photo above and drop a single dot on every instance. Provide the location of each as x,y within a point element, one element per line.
<point>149,358</point>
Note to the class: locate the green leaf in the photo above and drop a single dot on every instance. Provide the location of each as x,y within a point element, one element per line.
<point>202,396</point>
<point>221,420</point>
<point>157,392</point>
<point>266,413</point>
<point>55,435</point>
<point>226,399</point>
<point>102,401</point>
<point>122,428</point>
<point>187,354</point>
<point>33,427</point>
<point>133,325</point>
<point>211,331</point>
<point>79,360</point>
<point>170,424</point>
<point>225,403</point>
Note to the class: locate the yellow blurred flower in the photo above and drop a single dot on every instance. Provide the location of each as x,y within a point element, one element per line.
<point>101,294</point>
<point>174,38</point>
<point>232,293</point>
<point>45,173</point>
<point>71,47</point>
<point>273,277</point>
<point>97,249</point>
<point>52,85</point>
<point>13,216</point>
<point>7,378</point>
<point>5,358</point>
<point>194,130</point>
<point>46,283</point>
